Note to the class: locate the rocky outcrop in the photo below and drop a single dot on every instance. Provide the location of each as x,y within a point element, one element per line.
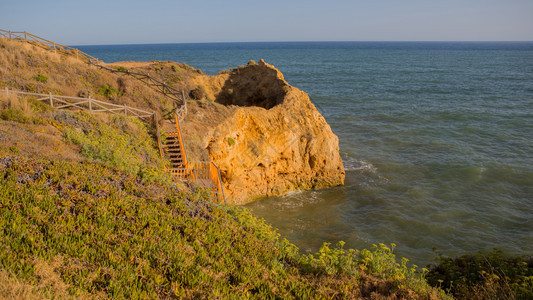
<point>274,141</point>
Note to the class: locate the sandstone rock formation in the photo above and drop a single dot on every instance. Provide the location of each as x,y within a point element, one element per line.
<point>273,140</point>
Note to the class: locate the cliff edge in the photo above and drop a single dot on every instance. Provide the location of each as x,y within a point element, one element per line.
<point>267,138</point>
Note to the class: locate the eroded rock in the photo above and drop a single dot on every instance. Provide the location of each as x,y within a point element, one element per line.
<point>275,141</point>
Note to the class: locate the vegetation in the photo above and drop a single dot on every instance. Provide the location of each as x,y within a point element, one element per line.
<point>124,144</point>
<point>104,227</point>
<point>41,78</point>
<point>485,276</point>
<point>110,233</point>
<point>109,91</point>
<point>86,211</point>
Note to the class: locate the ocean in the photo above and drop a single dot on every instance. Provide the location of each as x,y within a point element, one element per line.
<point>436,139</point>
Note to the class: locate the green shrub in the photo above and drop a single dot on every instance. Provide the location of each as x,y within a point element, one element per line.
<point>484,276</point>
<point>231,141</point>
<point>14,114</point>
<point>124,144</point>
<point>109,91</point>
<point>40,78</point>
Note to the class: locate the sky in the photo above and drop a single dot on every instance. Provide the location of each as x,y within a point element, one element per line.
<point>98,22</point>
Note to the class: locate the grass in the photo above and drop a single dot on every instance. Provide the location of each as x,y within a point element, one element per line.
<point>122,142</point>
<point>111,233</point>
<point>115,226</point>
<point>491,275</point>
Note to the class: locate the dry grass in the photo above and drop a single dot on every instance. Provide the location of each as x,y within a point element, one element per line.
<point>48,286</point>
<point>23,66</point>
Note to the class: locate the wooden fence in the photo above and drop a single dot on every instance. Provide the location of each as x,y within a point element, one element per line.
<point>153,83</point>
<point>48,45</point>
<point>92,105</point>
<point>200,172</point>
<point>206,172</point>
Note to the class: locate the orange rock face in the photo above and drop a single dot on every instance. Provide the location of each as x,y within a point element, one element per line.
<point>275,140</point>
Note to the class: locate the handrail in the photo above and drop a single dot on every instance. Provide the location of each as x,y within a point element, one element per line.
<point>209,170</point>
<point>44,43</point>
<point>89,104</point>
<point>218,182</point>
<point>213,171</point>
<point>159,142</point>
<point>153,83</point>
<point>178,127</point>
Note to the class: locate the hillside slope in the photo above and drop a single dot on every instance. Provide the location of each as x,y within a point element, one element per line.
<point>86,211</point>
<point>265,135</point>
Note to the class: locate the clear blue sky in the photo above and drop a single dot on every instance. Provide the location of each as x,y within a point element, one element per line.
<point>76,22</point>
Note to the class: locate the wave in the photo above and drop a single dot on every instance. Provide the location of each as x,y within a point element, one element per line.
<point>353,164</point>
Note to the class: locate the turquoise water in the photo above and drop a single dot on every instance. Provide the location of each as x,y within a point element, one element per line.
<point>436,138</point>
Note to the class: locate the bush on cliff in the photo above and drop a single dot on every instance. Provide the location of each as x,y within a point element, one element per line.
<point>106,232</point>
<point>491,275</point>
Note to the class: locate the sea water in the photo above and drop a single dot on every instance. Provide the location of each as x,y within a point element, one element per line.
<point>436,139</point>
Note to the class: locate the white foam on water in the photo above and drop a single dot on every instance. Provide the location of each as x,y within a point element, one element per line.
<point>353,164</point>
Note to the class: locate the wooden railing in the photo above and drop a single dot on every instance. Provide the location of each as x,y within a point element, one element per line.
<point>156,85</point>
<point>180,137</point>
<point>203,170</point>
<point>46,44</point>
<point>195,171</point>
<point>153,83</point>
<point>92,105</point>
<point>184,173</point>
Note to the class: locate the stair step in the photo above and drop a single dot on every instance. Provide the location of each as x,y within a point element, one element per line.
<point>206,183</point>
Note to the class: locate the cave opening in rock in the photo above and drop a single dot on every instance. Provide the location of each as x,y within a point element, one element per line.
<point>254,85</point>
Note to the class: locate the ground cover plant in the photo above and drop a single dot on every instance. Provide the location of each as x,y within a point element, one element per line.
<point>110,233</point>
<point>87,212</point>
<point>491,275</point>
<point>113,224</point>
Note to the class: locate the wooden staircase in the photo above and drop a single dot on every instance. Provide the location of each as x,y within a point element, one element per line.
<point>206,174</point>
<point>174,151</point>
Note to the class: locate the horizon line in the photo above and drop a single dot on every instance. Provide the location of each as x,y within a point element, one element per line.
<point>338,41</point>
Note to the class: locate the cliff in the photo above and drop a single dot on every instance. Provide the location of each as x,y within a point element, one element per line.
<point>274,140</point>
<point>87,212</point>
<point>265,135</point>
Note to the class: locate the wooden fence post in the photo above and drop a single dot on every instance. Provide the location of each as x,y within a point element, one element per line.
<point>51,99</point>
<point>125,110</point>
<point>7,91</point>
<point>25,35</point>
<point>10,35</point>
<point>90,105</point>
